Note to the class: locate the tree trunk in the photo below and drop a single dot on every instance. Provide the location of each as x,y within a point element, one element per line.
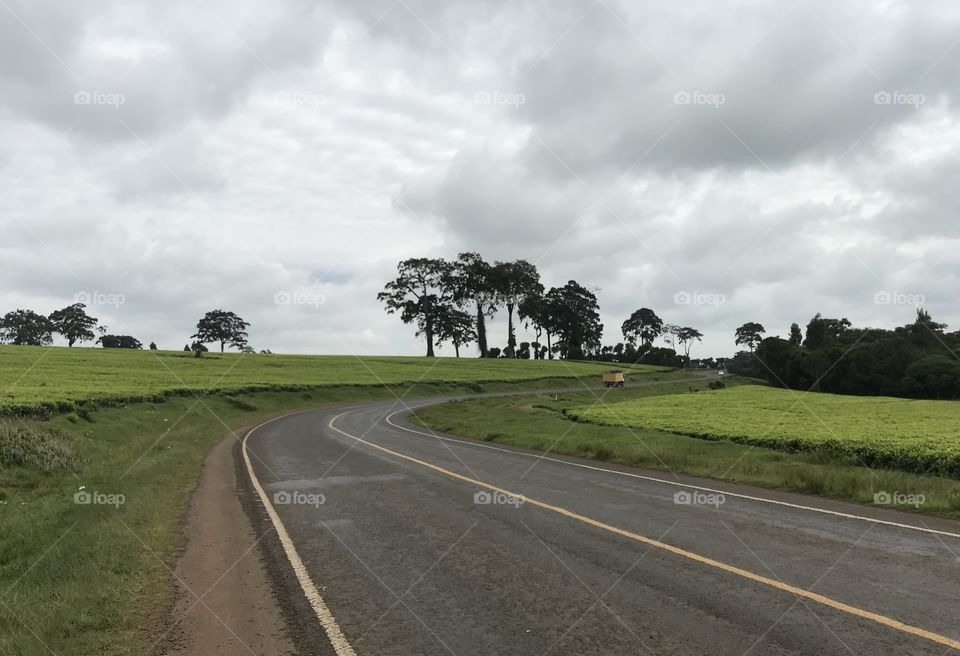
<point>511,338</point>
<point>456,348</point>
<point>549,347</point>
<point>481,331</point>
<point>429,332</point>
<point>222,344</point>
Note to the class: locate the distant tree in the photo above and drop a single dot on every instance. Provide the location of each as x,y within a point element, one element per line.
<point>925,332</point>
<point>750,335</point>
<point>796,336</point>
<point>515,282</point>
<point>493,353</point>
<point>643,324</point>
<point>577,319</point>
<point>539,311</point>
<point>186,347</point>
<point>224,327</point>
<point>248,349</point>
<point>523,352</point>
<point>472,282</point>
<point>199,349</point>
<point>119,341</point>
<point>26,328</point>
<point>822,332</point>
<point>73,323</point>
<point>454,326</point>
<point>669,334</point>
<point>422,285</point>
<point>687,336</point>
<point>153,346</point>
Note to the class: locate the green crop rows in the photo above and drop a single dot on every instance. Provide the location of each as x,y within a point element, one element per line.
<point>57,379</point>
<point>911,435</point>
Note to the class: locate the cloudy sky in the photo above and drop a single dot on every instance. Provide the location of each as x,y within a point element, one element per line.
<point>718,162</point>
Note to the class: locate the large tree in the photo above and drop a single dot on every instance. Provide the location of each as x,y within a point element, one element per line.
<point>538,310</point>
<point>576,318</point>
<point>74,323</point>
<point>643,324</point>
<point>454,326</point>
<point>26,328</point>
<point>421,287</point>
<point>224,327</point>
<point>687,336</point>
<point>750,335</point>
<point>515,282</point>
<point>796,336</point>
<point>472,281</point>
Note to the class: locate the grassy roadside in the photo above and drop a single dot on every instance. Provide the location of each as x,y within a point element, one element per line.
<point>94,578</point>
<point>540,422</point>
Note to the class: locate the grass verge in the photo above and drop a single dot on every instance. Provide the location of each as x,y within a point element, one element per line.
<point>540,422</point>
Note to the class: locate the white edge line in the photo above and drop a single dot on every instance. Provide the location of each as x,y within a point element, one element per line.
<point>337,640</point>
<point>824,511</point>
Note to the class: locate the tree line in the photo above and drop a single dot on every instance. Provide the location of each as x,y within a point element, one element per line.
<point>917,360</point>
<point>450,302</point>
<point>28,328</point>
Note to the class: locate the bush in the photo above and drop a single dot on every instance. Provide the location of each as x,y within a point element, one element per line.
<point>44,449</point>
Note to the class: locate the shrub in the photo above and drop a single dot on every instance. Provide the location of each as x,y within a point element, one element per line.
<point>45,449</point>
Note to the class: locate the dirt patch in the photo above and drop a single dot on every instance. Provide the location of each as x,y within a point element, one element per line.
<point>225,600</point>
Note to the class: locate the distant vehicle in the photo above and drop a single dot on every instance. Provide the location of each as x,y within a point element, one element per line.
<point>613,378</point>
<point>720,373</point>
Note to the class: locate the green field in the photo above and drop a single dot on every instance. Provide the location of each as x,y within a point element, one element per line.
<point>56,379</point>
<point>911,435</point>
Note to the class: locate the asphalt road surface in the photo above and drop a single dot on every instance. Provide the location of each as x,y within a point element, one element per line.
<point>393,540</point>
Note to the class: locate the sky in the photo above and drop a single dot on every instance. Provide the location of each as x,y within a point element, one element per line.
<point>719,162</point>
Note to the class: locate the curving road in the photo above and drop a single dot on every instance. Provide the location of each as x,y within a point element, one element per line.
<point>393,540</point>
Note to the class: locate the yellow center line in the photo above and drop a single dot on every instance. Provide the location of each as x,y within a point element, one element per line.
<point>773,583</point>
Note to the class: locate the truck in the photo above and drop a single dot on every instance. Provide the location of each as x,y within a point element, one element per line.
<point>613,378</point>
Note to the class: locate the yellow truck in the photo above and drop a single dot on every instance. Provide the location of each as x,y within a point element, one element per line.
<point>613,378</point>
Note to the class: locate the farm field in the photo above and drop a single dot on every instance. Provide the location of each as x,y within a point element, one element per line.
<point>544,423</point>
<point>910,435</point>
<point>55,379</point>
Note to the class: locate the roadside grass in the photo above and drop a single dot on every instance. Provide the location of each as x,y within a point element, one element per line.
<point>540,423</point>
<point>96,578</point>
<point>50,380</point>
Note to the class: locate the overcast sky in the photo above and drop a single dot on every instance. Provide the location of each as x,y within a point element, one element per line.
<point>717,162</point>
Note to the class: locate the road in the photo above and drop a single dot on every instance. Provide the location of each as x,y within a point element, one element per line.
<point>393,540</point>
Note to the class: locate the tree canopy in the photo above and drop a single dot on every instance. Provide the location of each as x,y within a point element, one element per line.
<point>74,323</point>
<point>26,328</point>
<point>224,327</point>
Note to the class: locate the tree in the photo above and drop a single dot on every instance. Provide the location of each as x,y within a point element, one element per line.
<point>796,337</point>
<point>224,327</point>
<point>119,341</point>
<point>198,349</point>
<point>153,346</point>
<point>26,328</point>
<point>422,284</point>
<point>643,324</point>
<point>514,282</point>
<point>670,334</point>
<point>687,336</point>
<point>538,310</point>
<point>822,332</point>
<point>73,323</point>
<point>472,281</point>
<point>576,318</point>
<point>750,335</point>
<point>454,326</point>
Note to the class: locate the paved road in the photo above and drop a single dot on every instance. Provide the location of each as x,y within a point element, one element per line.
<point>405,557</point>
